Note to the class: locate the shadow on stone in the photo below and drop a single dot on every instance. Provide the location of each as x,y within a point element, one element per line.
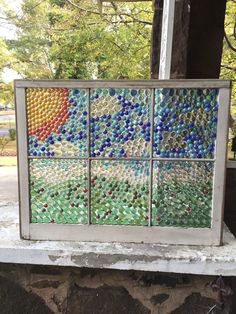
<point>103,300</point>
<point>196,304</point>
<point>159,298</point>
<point>15,300</point>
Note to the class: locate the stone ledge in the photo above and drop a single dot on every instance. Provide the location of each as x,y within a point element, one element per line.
<point>145,257</point>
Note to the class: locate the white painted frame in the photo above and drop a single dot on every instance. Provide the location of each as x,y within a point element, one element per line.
<point>118,233</point>
<point>168,18</point>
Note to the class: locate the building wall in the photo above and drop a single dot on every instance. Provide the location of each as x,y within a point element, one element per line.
<point>40,289</point>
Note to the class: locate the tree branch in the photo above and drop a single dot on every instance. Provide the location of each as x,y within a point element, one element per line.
<point>226,66</point>
<point>229,43</point>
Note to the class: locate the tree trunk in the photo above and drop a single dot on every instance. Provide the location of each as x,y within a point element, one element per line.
<point>197,38</point>
<point>206,32</point>
<point>156,38</point>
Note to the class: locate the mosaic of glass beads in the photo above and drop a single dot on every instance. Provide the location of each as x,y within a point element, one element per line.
<point>182,193</point>
<point>58,191</point>
<point>120,122</point>
<point>120,192</point>
<point>185,123</point>
<point>57,122</point>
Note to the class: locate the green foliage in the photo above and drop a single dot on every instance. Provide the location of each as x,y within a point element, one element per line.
<point>228,62</point>
<point>12,134</point>
<point>65,39</point>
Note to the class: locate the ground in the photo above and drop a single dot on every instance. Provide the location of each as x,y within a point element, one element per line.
<point>8,184</point>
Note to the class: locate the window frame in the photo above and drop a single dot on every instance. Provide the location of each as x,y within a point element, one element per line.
<point>125,233</point>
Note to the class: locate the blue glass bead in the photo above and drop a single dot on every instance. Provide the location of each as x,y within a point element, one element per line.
<point>119,97</point>
<point>42,148</point>
<point>48,154</point>
<point>35,145</point>
<point>112,92</point>
<point>215,108</point>
<point>136,105</point>
<point>174,116</point>
<point>110,154</point>
<point>52,153</point>
<point>35,153</point>
<point>38,154</point>
<point>133,92</point>
<point>51,142</point>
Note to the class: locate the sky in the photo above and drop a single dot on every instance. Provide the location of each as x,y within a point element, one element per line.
<point>8,31</point>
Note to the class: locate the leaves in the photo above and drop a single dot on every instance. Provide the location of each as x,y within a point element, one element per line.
<point>71,39</point>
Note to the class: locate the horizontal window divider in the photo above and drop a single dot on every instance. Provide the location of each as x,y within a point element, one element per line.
<point>212,83</point>
<point>125,158</point>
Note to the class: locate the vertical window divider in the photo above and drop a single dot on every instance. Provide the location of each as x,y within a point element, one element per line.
<point>151,156</point>
<point>89,158</point>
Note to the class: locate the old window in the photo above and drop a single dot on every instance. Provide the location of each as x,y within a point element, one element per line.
<point>130,161</point>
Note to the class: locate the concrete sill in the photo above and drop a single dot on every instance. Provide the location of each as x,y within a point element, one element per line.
<point>145,257</point>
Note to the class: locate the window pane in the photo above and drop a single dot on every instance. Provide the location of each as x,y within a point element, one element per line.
<point>58,191</point>
<point>120,192</point>
<point>120,122</point>
<point>185,122</point>
<point>57,122</point>
<point>182,193</point>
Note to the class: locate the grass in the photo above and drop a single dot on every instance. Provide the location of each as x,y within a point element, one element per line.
<point>8,123</point>
<point>6,112</point>
<point>10,147</point>
<point>8,161</point>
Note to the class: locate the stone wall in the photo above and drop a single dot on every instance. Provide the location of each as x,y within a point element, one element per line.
<point>40,289</point>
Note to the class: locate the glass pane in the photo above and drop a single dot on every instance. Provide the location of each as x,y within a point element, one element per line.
<point>120,122</point>
<point>185,123</point>
<point>57,122</point>
<point>58,191</point>
<point>182,193</point>
<point>119,192</point>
